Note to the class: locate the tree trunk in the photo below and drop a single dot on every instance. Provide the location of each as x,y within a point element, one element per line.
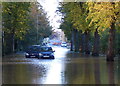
<point>111,44</point>
<point>7,43</point>
<point>72,41</point>
<point>82,43</point>
<point>16,45</point>
<point>13,44</point>
<point>96,44</point>
<point>71,46</point>
<point>3,52</point>
<point>76,40</point>
<point>87,48</point>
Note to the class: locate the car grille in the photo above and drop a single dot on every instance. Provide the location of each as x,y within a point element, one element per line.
<point>46,54</point>
<point>33,54</point>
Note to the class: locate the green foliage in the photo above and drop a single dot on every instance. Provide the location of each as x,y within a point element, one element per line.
<point>39,22</point>
<point>39,26</point>
<point>89,16</point>
<point>15,18</point>
<point>76,13</point>
<point>24,24</point>
<point>105,15</point>
<point>66,27</point>
<point>102,14</point>
<point>74,17</point>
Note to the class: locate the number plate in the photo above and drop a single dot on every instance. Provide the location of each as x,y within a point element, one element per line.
<point>45,56</point>
<point>32,56</point>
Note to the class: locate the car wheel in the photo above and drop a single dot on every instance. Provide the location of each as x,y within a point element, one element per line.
<point>36,56</point>
<point>27,56</point>
<point>39,57</point>
<point>53,57</point>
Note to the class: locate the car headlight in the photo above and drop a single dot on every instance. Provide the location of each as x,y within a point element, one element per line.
<point>40,54</point>
<point>52,53</point>
<point>27,54</point>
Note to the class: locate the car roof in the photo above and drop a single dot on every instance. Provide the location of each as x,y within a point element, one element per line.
<point>32,46</point>
<point>63,42</point>
<point>36,45</point>
<point>46,46</point>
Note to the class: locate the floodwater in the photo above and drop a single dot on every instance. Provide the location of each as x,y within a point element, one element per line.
<point>66,68</point>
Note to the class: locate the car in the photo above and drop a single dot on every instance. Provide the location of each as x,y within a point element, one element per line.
<point>33,51</point>
<point>46,52</point>
<point>64,44</point>
<point>40,52</point>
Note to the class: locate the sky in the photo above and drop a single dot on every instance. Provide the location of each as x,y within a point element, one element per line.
<point>50,6</point>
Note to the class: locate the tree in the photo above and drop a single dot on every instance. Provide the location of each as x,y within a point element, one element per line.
<point>39,26</point>
<point>40,20</point>
<point>76,13</point>
<point>96,45</point>
<point>15,22</point>
<point>24,24</point>
<point>105,15</point>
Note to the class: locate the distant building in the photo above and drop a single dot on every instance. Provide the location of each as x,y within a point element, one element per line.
<point>59,35</point>
<point>62,36</point>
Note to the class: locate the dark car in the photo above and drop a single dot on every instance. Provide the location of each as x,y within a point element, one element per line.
<point>40,52</point>
<point>46,52</point>
<point>33,51</point>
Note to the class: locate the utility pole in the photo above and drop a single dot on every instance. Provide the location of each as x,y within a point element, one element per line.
<point>37,29</point>
<point>37,13</point>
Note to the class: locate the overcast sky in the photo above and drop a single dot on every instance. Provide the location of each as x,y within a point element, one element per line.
<point>50,7</point>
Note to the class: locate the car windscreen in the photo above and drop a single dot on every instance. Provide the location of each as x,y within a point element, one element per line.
<point>46,49</point>
<point>34,48</point>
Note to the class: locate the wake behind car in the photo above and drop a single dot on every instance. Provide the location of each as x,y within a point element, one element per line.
<point>40,52</point>
<point>46,52</point>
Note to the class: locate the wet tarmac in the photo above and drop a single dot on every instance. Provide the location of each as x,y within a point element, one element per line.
<point>66,68</point>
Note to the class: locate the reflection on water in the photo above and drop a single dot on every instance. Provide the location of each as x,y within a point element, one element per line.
<point>56,68</point>
<point>91,71</point>
<point>67,68</point>
<point>54,74</point>
<point>22,74</point>
<point>118,72</point>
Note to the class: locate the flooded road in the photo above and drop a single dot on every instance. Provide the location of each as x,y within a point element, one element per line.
<point>66,68</point>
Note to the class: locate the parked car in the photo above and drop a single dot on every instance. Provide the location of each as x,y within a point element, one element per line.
<point>46,52</point>
<point>64,44</point>
<point>33,51</point>
<point>40,52</point>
